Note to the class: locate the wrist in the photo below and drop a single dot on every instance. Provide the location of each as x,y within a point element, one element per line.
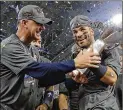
<point>100,72</point>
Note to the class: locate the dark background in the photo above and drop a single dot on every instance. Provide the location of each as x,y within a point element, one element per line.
<point>57,39</point>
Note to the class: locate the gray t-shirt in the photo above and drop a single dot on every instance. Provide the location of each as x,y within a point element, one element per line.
<point>32,90</point>
<point>15,56</point>
<point>16,61</point>
<point>97,94</point>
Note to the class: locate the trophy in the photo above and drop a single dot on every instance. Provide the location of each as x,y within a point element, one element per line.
<point>102,43</point>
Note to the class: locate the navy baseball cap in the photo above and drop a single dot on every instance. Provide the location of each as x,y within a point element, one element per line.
<point>80,20</point>
<point>35,13</point>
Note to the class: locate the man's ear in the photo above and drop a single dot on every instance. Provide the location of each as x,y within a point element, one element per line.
<point>92,32</point>
<point>24,23</point>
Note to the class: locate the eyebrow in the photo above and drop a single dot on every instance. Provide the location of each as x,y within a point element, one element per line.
<point>85,32</point>
<point>82,28</point>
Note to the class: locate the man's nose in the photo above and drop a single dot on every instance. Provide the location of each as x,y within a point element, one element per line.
<point>79,34</point>
<point>42,27</point>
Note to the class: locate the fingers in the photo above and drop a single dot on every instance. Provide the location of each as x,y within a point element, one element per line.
<point>83,80</point>
<point>88,59</point>
<point>96,58</point>
<point>77,76</point>
<point>93,66</point>
<point>71,74</point>
<point>95,62</point>
<point>93,54</point>
<point>80,78</point>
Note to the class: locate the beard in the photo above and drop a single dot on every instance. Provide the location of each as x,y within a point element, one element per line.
<point>35,36</point>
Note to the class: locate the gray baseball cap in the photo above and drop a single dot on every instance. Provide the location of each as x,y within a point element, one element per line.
<point>80,20</point>
<point>34,13</point>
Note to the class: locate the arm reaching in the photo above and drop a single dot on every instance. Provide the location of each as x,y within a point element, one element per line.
<point>87,59</point>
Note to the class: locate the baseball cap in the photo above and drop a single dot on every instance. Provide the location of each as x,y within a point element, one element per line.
<point>80,20</point>
<point>35,13</point>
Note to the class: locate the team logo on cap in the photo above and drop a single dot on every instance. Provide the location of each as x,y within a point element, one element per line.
<point>27,14</point>
<point>39,10</point>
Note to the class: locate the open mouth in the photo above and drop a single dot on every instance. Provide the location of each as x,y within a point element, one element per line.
<point>38,33</point>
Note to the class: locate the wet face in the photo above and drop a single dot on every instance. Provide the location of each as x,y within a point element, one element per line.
<point>34,30</point>
<point>83,35</point>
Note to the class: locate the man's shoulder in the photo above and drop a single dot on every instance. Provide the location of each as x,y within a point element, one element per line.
<point>9,40</point>
<point>10,43</point>
<point>110,53</point>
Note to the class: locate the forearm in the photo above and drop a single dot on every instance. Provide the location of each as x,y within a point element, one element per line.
<point>50,73</point>
<point>63,102</point>
<point>109,77</point>
<point>42,69</point>
<point>106,74</point>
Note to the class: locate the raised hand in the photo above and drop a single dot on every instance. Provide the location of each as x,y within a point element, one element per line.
<point>87,59</point>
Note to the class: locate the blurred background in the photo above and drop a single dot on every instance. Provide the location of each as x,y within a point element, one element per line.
<point>57,39</point>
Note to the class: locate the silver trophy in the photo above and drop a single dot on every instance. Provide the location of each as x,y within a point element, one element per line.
<point>100,44</point>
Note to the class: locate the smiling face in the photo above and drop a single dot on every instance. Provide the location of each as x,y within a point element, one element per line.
<point>34,29</point>
<point>83,35</point>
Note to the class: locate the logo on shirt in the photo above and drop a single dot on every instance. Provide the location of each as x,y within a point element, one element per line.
<point>49,94</point>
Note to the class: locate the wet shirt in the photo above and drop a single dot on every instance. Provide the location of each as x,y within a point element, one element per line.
<point>109,58</point>
<point>15,58</point>
<point>95,92</point>
<point>119,90</point>
<point>31,85</point>
<point>87,96</point>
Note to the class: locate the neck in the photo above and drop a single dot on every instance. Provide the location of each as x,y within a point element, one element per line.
<point>23,37</point>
